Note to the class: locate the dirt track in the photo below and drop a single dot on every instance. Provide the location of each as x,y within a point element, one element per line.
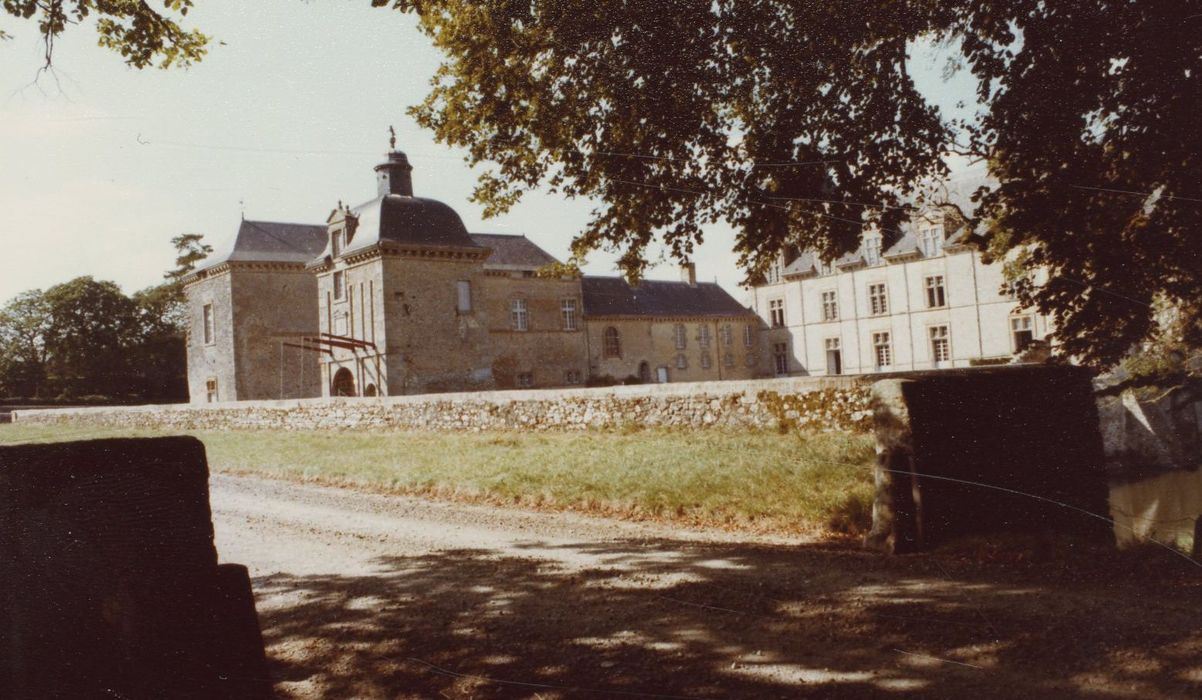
<point>370,596</point>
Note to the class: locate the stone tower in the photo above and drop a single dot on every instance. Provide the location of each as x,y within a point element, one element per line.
<point>395,288</point>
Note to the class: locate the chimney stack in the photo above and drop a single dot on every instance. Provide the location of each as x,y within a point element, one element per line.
<point>688,273</point>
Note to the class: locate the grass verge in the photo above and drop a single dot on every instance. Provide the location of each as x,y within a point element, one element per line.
<point>760,481</point>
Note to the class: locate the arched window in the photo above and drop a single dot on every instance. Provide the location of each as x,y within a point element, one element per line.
<point>612,342</point>
<point>728,360</point>
<point>681,361</point>
<point>343,383</point>
<point>370,390</point>
<point>705,360</point>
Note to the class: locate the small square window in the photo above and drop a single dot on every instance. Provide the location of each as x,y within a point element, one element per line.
<point>525,380</point>
<point>211,391</point>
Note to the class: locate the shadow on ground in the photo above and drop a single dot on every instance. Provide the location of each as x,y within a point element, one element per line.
<point>677,619</point>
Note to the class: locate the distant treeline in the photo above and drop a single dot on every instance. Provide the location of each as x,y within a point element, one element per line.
<point>87,341</point>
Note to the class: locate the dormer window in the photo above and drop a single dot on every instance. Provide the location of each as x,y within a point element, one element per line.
<point>336,242</point>
<point>930,240</point>
<point>872,249</point>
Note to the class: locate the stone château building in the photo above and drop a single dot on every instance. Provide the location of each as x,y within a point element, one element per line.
<point>926,302</point>
<point>395,296</point>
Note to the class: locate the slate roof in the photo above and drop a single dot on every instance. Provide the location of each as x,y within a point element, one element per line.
<point>407,220</point>
<point>270,241</point>
<point>612,296</point>
<point>512,252</point>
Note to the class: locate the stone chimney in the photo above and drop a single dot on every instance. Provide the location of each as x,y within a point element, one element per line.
<point>393,177</point>
<point>688,273</point>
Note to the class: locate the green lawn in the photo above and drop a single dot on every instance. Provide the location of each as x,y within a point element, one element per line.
<point>756,480</point>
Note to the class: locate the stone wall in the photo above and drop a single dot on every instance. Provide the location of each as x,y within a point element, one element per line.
<point>810,403</point>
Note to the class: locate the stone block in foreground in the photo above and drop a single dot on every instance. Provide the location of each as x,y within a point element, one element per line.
<point>111,586</point>
<point>986,451</point>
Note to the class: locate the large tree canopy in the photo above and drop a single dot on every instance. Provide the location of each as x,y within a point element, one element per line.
<point>143,35</point>
<point>797,121</point>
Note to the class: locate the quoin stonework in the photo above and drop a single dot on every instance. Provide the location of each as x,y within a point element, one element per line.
<point>396,297</point>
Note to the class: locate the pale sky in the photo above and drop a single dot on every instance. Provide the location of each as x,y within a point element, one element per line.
<point>284,118</point>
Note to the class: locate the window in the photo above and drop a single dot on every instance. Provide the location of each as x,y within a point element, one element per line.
<point>834,356</point>
<point>682,362</point>
<point>878,300</point>
<point>830,306</point>
<point>341,323</point>
<point>936,297</point>
<point>1023,331</point>
<point>210,329</point>
<point>930,241</point>
<point>567,309</point>
<point>681,335</point>
<point>727,335</point>
<point>883,351</point>
<point>728,360</point>
<point>211,390</point>
<point>519,319</point>
<point>826,268</point>
<point>748,336</point>
<point>780,357</point>
<point>776,310</point>
<point>703,335</point>
<point>751,360</point>
<point>463,293</point>
<point>872,250</point>
<point>940,346</point>
<point>336,242</point>
<point>706,362</point>
<point>611,344</point>
<point>339,285</point>
<point>525,380</point>
<point>573,376</point>
<point>775,271</point>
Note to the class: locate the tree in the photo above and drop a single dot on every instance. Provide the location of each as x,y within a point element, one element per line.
<point>799,122</point>
<point>23,324</point>
<point>91,326</point>
<point>142,35</point>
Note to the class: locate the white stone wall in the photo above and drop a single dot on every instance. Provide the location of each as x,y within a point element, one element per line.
<point>808,403</point>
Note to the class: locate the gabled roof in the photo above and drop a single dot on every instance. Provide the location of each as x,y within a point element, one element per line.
<point>613,296</point>
<point>270,241</point>
<point>512,252</point>
<point>804,264</point>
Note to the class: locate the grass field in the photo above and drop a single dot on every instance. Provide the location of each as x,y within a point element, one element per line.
<point>763,481</point>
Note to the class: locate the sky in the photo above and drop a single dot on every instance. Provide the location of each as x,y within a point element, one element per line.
<point>101,165</point>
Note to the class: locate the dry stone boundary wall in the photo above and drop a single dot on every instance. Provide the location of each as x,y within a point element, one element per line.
<point>809,403</point>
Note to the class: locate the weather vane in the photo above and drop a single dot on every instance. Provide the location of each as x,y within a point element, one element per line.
<point>392,138</point>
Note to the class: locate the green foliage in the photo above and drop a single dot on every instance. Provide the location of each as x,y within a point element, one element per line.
<point>142,35</point>
<point>798,122</point>
<point>86,337</point>
<point>558,270</point>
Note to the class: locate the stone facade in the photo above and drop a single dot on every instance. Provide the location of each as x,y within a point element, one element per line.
<point>245,321</point>
<point>824,404</point>
<point>681,349</point>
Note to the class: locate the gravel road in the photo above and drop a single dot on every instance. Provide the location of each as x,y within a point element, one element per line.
<point>368,596</point>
